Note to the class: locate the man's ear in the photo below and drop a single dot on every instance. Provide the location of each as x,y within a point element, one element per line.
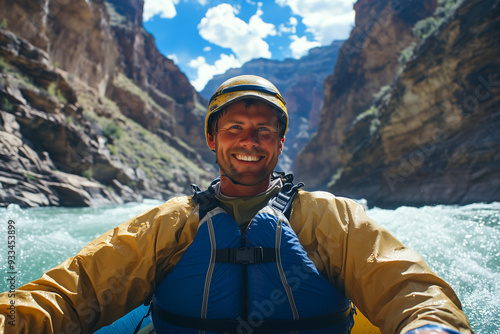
<point>211,142</point>
<point>280,145</point>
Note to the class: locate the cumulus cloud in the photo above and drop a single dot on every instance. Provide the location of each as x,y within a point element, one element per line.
<point>206,71</point>
<point>301,45</point>
<point>327,20</point>
<point>164,8</point>
<point>290,28</point>
<point>222,27</point>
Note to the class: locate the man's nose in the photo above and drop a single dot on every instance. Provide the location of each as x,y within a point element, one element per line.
<point>249,138</point>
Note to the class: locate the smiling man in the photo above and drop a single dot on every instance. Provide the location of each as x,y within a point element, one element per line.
<point>251,254</point>
<point>247,143</point>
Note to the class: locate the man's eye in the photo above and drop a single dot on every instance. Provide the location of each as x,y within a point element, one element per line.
<point>264,130</point>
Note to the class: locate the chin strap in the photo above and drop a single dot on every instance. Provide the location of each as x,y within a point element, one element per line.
<point>233,180</point>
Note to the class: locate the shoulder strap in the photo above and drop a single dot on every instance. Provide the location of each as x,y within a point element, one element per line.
<point>283,200</point>
<point>206,198</point>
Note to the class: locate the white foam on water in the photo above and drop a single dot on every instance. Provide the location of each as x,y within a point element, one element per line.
<point>462,245</point>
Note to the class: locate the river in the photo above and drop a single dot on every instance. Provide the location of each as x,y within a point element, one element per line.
<point>460,243</point>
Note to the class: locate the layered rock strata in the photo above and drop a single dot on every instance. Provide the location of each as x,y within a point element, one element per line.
<point>434,138</point>
<point>91,112</point>
<point>368,60</point>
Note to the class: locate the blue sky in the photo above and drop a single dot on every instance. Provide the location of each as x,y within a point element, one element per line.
<point>207,37</point>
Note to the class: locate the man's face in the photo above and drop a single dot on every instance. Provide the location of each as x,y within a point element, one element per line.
<point>247,147</point>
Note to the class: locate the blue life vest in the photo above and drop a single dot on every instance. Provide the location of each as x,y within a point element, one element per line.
<point>258,281</point>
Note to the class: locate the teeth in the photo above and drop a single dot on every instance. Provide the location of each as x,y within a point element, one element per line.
<point>247,157</point>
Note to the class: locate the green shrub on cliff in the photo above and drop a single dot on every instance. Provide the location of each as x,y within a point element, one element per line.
<point>426,27</point>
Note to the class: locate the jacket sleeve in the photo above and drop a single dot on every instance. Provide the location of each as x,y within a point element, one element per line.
<point>388,282</point>
<point>109,277</point>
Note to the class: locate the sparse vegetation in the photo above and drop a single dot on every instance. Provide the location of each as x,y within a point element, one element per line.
<point>12,76</point>
<point>374,125</point>
<point>111,148</point>
<point>112,130</point>
<point>382,93</point>
<point>115,18</point>
<point>123,82</point>
<point>88,173</point>
<point>4,66</point>
<point>139,148</point>
<point>31,177</point>
<point>372,111</point>
<point>6,105</point>
<point>55,92</point>
<point>426,27</point>
<point>4,24</point>
<point>407,53</point>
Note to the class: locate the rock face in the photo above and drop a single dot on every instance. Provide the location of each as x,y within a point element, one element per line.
<point>90,111</point>
<point>368,61</point>
<point>434,137</point>
<point>177,109</point>
<point>300,81</point>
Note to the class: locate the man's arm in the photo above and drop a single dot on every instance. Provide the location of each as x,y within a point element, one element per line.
<point>109,277</point>
<point>392,284</point>
<point>389,283</point>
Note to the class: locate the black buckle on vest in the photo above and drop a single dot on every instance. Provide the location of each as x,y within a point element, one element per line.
<point>245,255</point>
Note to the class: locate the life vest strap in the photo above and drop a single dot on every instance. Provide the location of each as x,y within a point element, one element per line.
<point>245,255</point>
<point>206,199</point>
<point>283,200</point>
<point>259,326</point>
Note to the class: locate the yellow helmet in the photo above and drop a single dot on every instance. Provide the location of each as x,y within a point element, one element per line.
<point>246,86</point>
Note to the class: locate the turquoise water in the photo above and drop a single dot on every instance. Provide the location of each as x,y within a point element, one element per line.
<point>460,243</point>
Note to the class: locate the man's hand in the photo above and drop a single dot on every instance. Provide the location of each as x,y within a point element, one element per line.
<point>431,329</point>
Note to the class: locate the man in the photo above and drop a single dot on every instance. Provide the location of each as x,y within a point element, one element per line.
<point>240,257</point>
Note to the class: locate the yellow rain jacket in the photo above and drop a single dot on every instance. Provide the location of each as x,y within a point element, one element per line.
<point>121,269</point>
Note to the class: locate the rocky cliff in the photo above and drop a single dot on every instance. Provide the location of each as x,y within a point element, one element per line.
<point>91,112</point>
<point>300,81</point>
<point>433,135</point>
<point>368,60</point>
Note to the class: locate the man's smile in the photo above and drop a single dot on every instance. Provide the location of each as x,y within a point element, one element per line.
<point>244,157</point>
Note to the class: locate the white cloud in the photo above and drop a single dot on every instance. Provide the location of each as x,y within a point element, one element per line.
<point>207,71</point>
<point>327,20</point>
<point>164,8</point>
<point>291,28</point>
<point>222,27</point>
<point>301,45</point>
